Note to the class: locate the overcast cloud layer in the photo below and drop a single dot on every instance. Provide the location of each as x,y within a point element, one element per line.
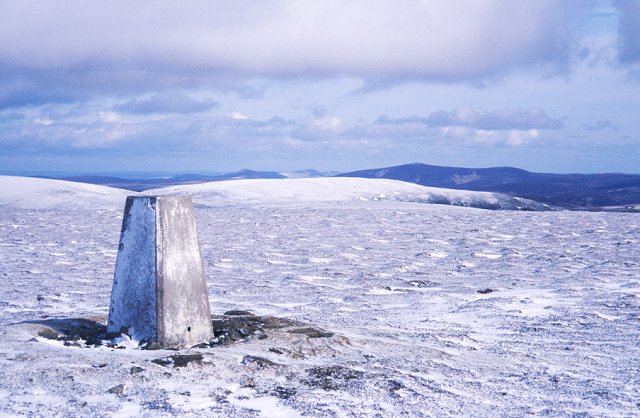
<point>217,85</point>
<point>450,40</point>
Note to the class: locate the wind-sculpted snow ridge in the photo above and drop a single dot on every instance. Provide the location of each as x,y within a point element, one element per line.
<point>342,189</point>
<point>361,309</point>
<point>35,193</point>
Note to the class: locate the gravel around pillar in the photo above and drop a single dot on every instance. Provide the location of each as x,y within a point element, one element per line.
<point>159,292</point>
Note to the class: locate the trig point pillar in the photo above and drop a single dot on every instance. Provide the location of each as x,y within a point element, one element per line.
<point>159,292</point>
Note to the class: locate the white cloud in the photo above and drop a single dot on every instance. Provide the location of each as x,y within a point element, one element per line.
<point>330,123</point>
<point>109,117</point>
<point>238,115</point>
<point>521,137</point>
<point>471,136</point>
<point>43,121</point>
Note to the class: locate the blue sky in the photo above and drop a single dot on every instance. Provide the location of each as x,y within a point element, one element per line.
<point>551,86</point>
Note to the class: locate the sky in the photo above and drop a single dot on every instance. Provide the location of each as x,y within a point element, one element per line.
<point>337,85</point>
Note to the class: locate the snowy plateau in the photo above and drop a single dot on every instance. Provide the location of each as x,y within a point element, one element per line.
<point>372,303</point>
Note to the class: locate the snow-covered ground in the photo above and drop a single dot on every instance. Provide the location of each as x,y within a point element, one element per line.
<point>35,193</point>
<point>436,310</point>
<point>342,189</point>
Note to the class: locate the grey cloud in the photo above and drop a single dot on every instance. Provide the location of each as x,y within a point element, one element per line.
<point>89,48</point>
<point>76,84</point>
<point>518,119</point>
<point>167,103</point>
<point>12,117</point>
<point>600,125</point>
<point>16,91</point>
<point>629,31</point>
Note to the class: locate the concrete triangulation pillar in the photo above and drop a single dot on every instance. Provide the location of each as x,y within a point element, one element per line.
<point>159,292</point>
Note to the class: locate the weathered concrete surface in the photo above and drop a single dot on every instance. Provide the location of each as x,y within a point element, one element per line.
<point>184,317</point>
<point>133,296</point>
<point>159,292</point>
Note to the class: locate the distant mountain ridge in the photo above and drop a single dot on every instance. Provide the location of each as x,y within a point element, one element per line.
<point>610,191</point>
<point>142,184</point>
<point>570,191</point>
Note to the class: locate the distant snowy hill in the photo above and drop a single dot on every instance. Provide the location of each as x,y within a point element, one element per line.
<point>342,189</point>
<point>35,193</point>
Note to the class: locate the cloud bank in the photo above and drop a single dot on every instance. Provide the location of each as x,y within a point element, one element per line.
<point>471,117</point>
<point>629,31</point>
<point>85,46</point>
<point>167,102</point>
<point>218,79</point>
<point>187,132</point>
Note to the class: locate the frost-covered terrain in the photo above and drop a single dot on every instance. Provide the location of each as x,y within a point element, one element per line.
<point>435,310</point>
<point>35,193</point>
<point>335,189</point>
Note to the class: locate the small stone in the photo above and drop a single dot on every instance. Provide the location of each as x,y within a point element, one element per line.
<point>312,332</point>
<point>239,313</point>
<point>234,335</point>
<point>260,362</point>
<point>486,291</point>
<point>136,370</point>
<point>165,361</point>
<point>423,283</point>
<point>336,372</point>
<point>48,333</point>
<point>93,342</point>
<point>117,390</point>
<point>395,385</point>
<point>284,392</point>
<point>178,360</point>
<point>333,377</point>
<point>202,345</point>
<point>181,360</point>
<point>152,346</point>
